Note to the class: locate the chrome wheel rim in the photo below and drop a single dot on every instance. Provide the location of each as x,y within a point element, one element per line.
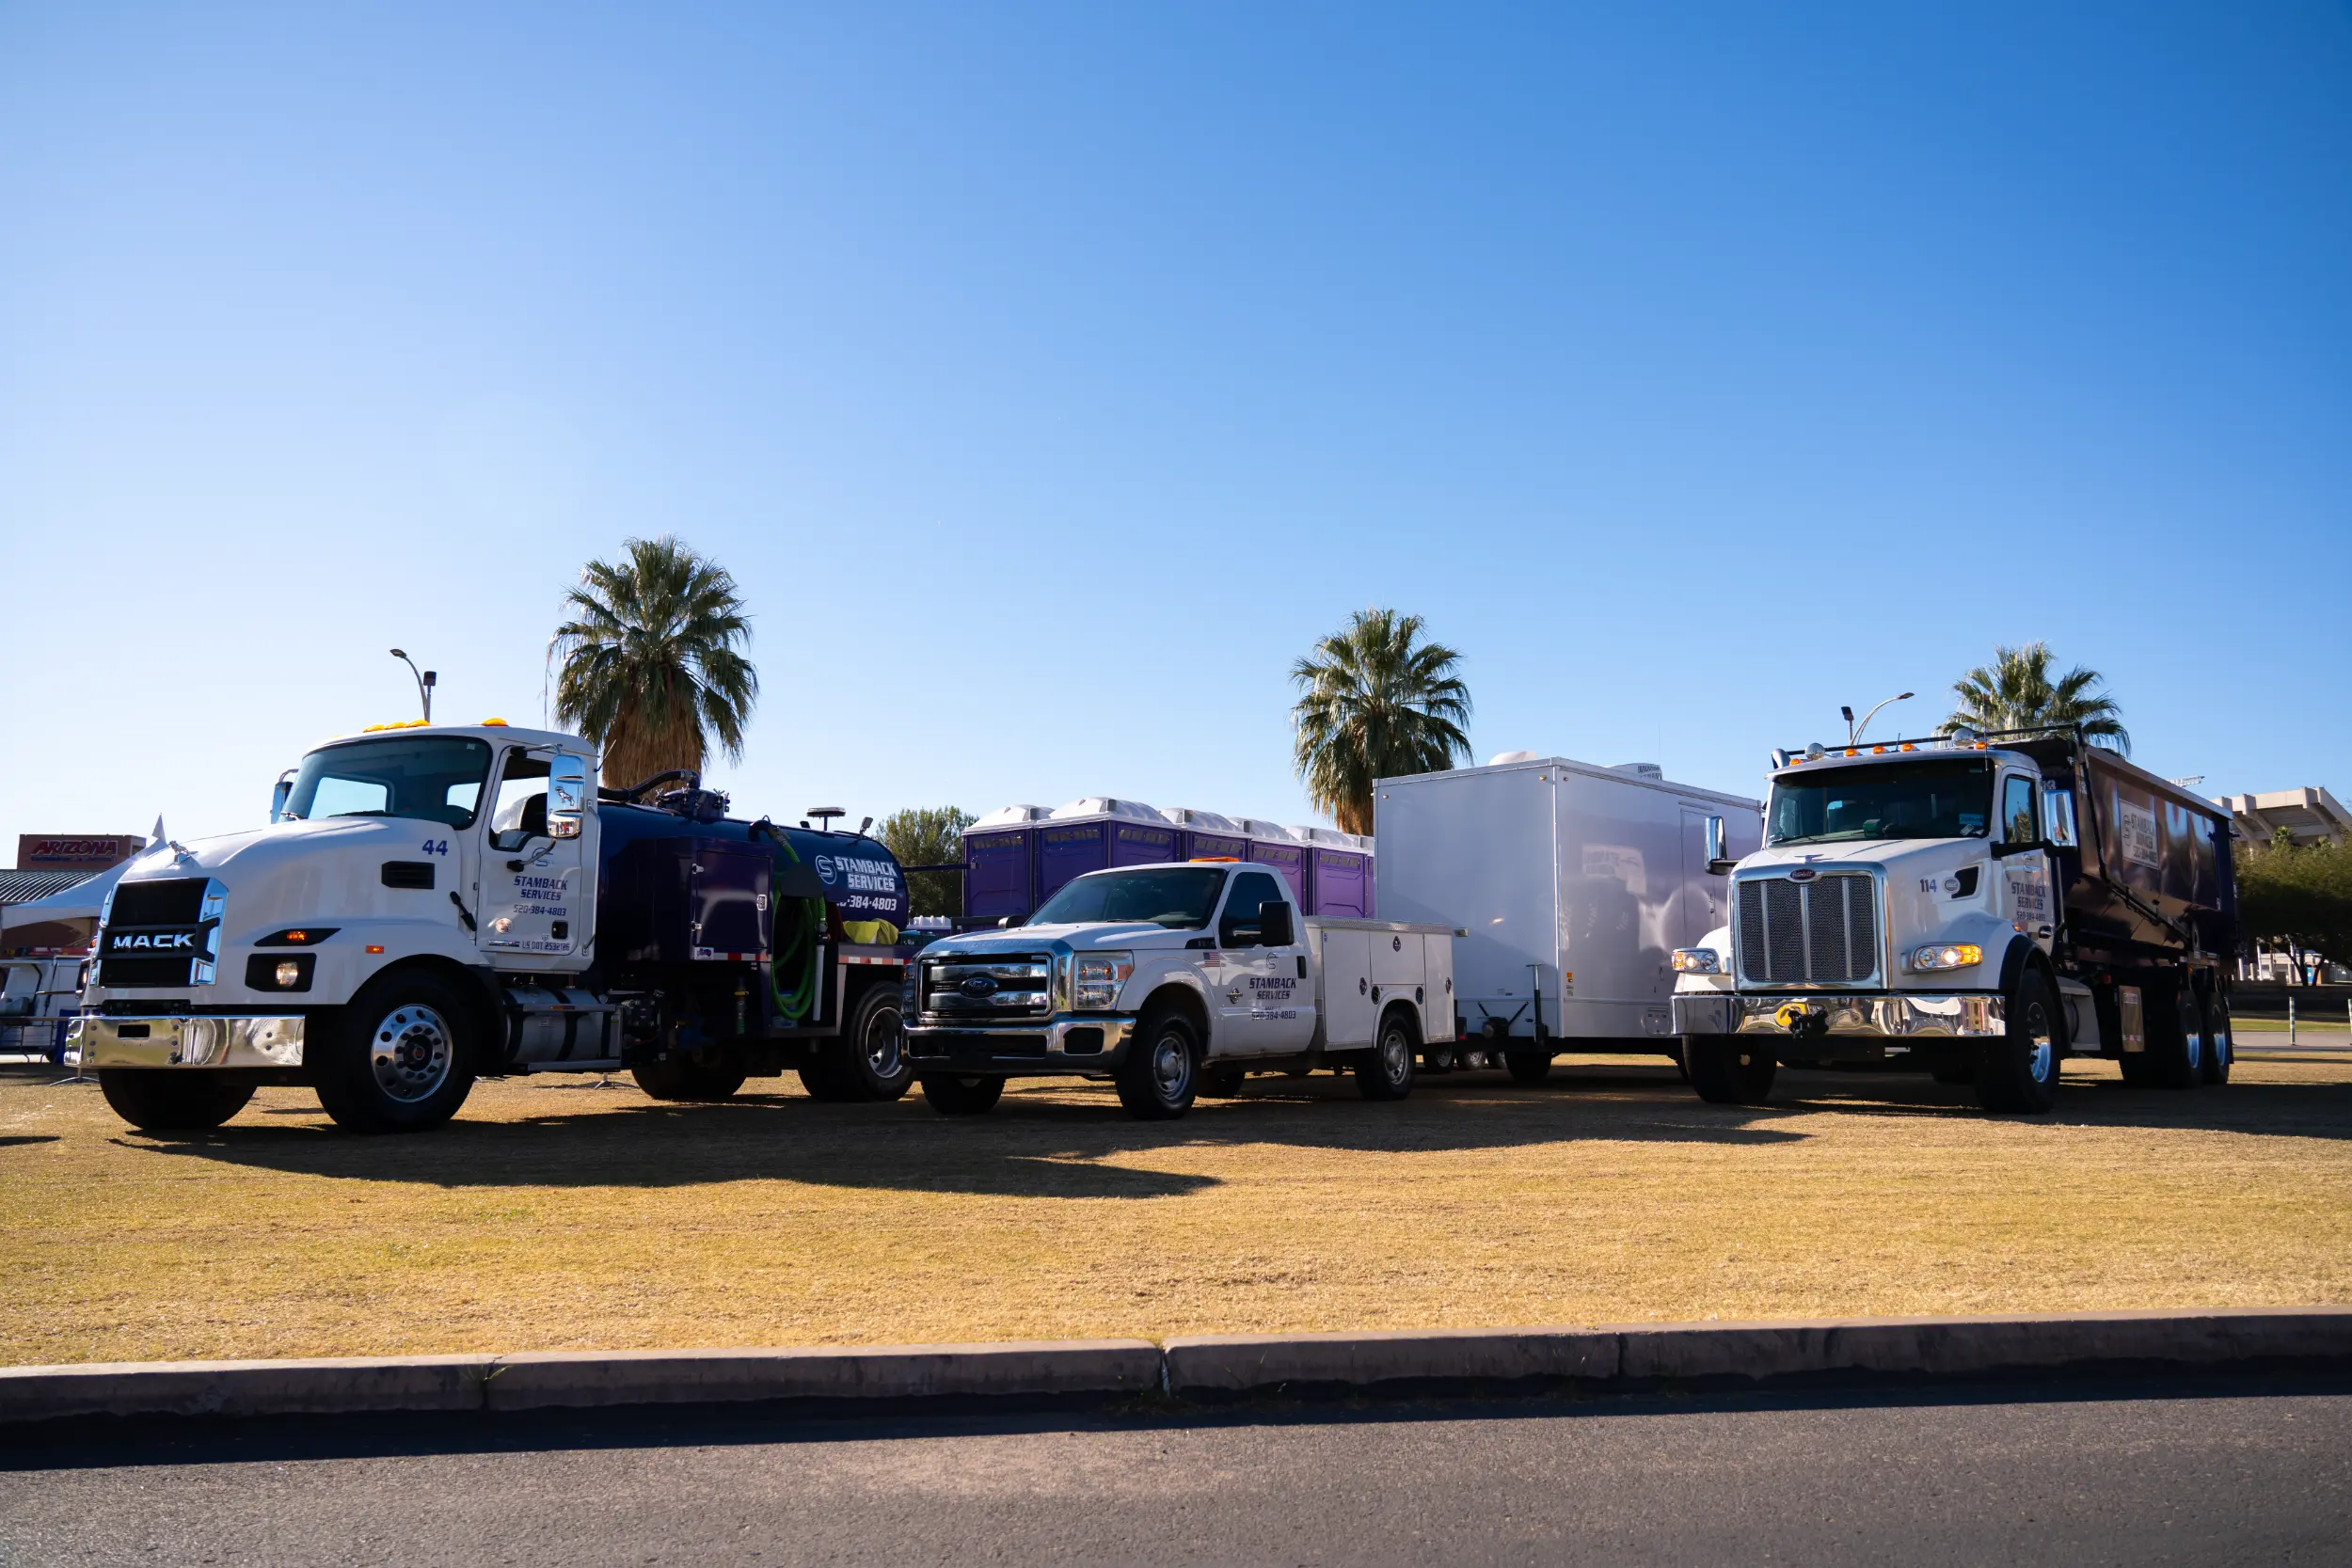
<point>885,1044</point>
<point>1396,1057</point>
<point>2040,1053</point>
<point>1171,1065</point>
<point>2195,1038</point>
<point>411,1052</point>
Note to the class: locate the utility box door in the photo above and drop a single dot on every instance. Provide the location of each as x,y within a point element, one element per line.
<point>1347,1009</point>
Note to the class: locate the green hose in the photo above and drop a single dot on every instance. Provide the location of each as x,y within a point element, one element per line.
<point>799,950</point>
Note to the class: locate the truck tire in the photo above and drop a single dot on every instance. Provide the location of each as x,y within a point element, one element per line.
<point>2176,1038</point>
<point>1528,1067</point>
<point>2019,1070</point>
<point>404,1058</point>
<point>2221,1040</point>
<point>1437,1063</point>
<point>172,1100</point>
<point>1223,1080</point>
<point>1727,1071</point>
<point>869,1061</point>
<point>1388,1072</point>
<point>961,1097</point>
<point>684,1076</point>
<point>1161,1072</point>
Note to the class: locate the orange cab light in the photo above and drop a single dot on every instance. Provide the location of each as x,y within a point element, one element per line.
<point>375,947</point>
<point>1852,753</point>
<point>1909,747</point>
<point>1878,750</point>
<point>494,723</point>
<point>298,938</point>
<point>1217,860</point>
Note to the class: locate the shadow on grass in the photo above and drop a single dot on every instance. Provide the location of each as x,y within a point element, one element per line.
<point>17,1140</point>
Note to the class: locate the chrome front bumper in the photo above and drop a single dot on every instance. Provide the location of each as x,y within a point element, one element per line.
<point>1812,1016</point>
<point>191,1041</point>
<point>1040,1046</point>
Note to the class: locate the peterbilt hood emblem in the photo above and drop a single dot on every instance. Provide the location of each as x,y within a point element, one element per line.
<point>1802,873</point>
<point>978,986</point>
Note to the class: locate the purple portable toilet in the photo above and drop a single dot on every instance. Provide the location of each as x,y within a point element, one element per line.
<point>1095,831</point>
<point>1205,835</point>
<point>1270,844</point>
<point>1000,863</point>
<point>1339,874</point>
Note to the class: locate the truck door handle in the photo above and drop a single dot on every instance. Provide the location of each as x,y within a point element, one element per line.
<point>1302,966</point>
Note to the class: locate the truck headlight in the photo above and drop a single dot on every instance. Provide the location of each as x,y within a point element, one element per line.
<point>1697,960</point>
<point>1095,979</point>
<point>1947,954</point>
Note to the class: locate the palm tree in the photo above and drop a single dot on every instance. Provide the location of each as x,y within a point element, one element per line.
<point>1376,704</point>
<point>651,667</point>
<point>2016,691</point>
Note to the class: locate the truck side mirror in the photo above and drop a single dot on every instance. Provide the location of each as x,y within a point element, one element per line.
<point>279,795</point>
<point>1275,928</point>
<point>1718,862</point>
<point>567,795</point>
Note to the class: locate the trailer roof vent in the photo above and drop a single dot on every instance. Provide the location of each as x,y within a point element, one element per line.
<point>1641,770</point>
<point>1501,758</point>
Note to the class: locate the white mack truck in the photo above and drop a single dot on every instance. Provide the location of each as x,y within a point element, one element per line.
<point>429,904</point>
<point>1170,980</point>
<point>1978,907</point>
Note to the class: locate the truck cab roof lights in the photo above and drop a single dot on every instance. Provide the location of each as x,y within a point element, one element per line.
<point>494,723</point>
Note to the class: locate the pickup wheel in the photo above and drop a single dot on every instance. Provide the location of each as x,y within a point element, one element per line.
<point>686,1076</point>
<point>869,1061</point>
<point>961,1097</point>
<point>1727,1071</point>
<point>1528,1067</point>
<point>2019,1070</point>
<point>1161,1072</point>
<point>403,1059</point>
<point>172,1100</point>
<point>1388,1072</point>
<point>2220,1049</point>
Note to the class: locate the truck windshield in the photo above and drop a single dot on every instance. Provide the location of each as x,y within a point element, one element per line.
<point>1177,897</point>
<point>430,778</point>
<point>1943,798</point>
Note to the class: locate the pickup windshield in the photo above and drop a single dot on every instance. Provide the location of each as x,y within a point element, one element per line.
<point>1177,897</point>
<point>1941,799</point>
<point>429,777</point>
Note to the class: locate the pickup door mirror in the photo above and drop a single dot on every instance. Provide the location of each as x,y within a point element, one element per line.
<point>1274,926</point>
<point>567,795</point>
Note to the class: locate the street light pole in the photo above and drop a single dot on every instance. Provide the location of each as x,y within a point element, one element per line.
<point>1854,731</point>
<point>426,681</point>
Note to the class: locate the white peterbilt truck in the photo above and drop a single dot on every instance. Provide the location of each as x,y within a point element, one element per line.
<point>429,904</point>
<point>1173,979</point>
<point>1978,907</point>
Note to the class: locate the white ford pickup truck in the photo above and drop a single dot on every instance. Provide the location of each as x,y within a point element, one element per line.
<point>1175,979</point>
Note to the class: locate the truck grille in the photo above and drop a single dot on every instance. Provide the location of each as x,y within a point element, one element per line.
<point>968,991</point>
<point>159,934</point>
<point>1820,932</point>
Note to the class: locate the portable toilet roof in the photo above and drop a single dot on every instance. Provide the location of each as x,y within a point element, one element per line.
<point>1326,838</point>
<point>1009,817</point>
<point>1104,806</point>
<point>1202,822</point>
<point>1259,828</point>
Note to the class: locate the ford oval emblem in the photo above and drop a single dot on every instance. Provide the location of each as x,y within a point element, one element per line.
<point>978,986</point>
<point>1802,873</point>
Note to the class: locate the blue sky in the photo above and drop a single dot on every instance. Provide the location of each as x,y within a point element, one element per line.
<point>1050,376</point>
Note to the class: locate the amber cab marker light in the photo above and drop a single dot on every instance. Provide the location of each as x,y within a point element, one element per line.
<point>375,947</point>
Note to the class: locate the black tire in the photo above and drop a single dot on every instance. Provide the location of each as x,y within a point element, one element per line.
<point>2018,1072</point>
<point>1528,1067</point>
<point>1387,1073</point>
<point>869,1061</point>
<point>1437,1063</point>
<point>1223,1080</point>
<point>1161,1072</point>
<point>403,1059</point>
<point>2176,1037</point>
<point>1726,1070</point>
<point>952,1095</point>
<point>682,1076</point>
<point>2221,1040</point>
<point>173,1100</point>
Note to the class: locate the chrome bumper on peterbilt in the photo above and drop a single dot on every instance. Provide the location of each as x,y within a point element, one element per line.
<point>1033,1046</point>
<point>190,1040</point>
<point>1813,1016</point>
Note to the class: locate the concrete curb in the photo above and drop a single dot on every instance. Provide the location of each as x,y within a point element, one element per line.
<point>1204,1368</point>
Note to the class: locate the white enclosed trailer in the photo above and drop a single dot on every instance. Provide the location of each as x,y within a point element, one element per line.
<point>1574,884</point>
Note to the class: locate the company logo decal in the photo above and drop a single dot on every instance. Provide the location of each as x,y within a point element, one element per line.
<point>155,942</point>
<point>978,986</point>
<point>1802,873</point>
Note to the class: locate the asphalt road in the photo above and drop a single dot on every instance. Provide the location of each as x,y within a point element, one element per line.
<point>2219,1473</point>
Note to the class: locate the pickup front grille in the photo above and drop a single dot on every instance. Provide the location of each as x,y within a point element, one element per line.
<point>1824,931</point>
<point>996,987</point>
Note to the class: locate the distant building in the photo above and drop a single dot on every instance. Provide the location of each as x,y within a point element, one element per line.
<point>87,854</point>
<point>51,862</point>
<point>2309,815</point>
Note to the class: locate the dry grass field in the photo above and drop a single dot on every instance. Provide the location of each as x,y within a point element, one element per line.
<point>554,1216</point>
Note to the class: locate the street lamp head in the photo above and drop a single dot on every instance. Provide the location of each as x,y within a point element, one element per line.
<point>400,653</point>
<point>1906,696</point>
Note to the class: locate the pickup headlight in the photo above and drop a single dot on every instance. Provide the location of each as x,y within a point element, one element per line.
<point>1697,960</point>
<point>1947,955</point>
<point>1095,979</point>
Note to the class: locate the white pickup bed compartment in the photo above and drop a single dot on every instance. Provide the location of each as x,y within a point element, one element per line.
<point>1364,965</point>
